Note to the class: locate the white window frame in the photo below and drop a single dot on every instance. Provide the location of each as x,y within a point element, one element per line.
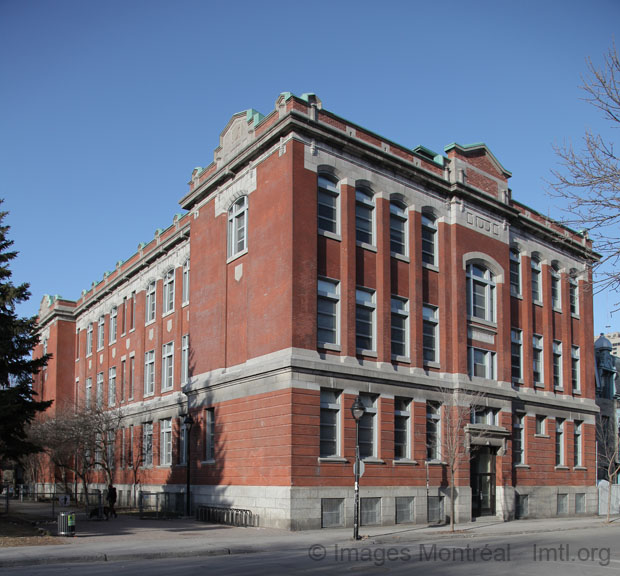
<point>101,333</point>
<point>364,214</point>
<point>88,387</point>
<point>429,236</point>
<point>238,227</point>
<point>518,427</point>
<point>165,442</point>
<point>398,227</point>
<point>573,288</point>
<point>365,303</point>
<point>328,291</point>
<point>89,340</point>
<point>168,292</point>
<point>167,367</point>
<point>489,357</point>
<point>185,287</point>
<point>560,452</point>
<point>430,319</point>
<point>575,369</point>
<point>113,325</point>
<point>399,315</point>
<point>210,439</point>
<point>557,365</point>
<point>328,188</point>
<point>536,267</point>
<point>402,413</point>
<point>577,443</point>
<point>433,413</point>
<point>112,386</point>
<point>541,425</point>
<point>486,281</point>
<point>556,289</point>
<point>99,392</point>
<point>538,357</point>
<point>330,400</point>
<point>149,373</point>
<point>182,459</point>
<point>151,302</point>
<point>132,376</point>
<point>147,444</point>
<point>369,422</point>
<point>515,271</point>
<point>185,360</point>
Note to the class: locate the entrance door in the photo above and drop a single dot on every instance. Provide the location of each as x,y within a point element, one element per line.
<point>483,482</point>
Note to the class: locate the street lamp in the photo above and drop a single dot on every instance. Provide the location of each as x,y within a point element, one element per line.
<point>188,422</point>
<point>357,410</point>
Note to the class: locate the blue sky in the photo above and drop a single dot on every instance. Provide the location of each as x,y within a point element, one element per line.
<point>106,106</point>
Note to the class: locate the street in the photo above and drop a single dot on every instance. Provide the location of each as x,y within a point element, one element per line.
<point>591,551</point>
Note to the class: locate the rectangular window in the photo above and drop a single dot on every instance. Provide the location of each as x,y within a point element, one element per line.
<point>132,374</point>
<point>110,448</point>
<point>370,511</point>
<point>328,309</point>
<point>237,227</point>
<point>89,389</point>
<point>404,509</point>
<point>575,369</point>
<point>573,290</point>
<point>516,354</point>
<point>123,379</point>
<point>330,423</point>
<point>364,217</point>
<point>580,503</point>
<point>123,448</point>
<point>429,240</point>
<point>365,309</point>
<point>577,445</point>
<point>165,442</point>
<point>537,358</point>
<point>562,504</point>
<point>132,304</point>
<point>167,367</point>
<point>130,453</point>
<point>168,304</point>
<point>186,282</point>
<point>402,428</point>
<point>515,273</point>
<point>89,339</point>
<point>541,425</point>
<point>149,373</point>
<point>400,330</point>
<point>327,205</point>
<point>77,344</point>
<point>430,333</point>
<point>557,365</point>
<point>398,229</point>
<point>99,389</point>
<point>522,507</point>
<point>113,324</point>
<point>332,512</point>
<point>112,386</point>
<point>433,431</point>
<point>150,302</point>
<point>486,416</point>
<point>556,292</point>
<point>147,444</point>
<point>559,442</point>
<point>368,427</point>
<point>185,360</point>
<point>210,433</point>
<point>481,363</point>
<point>101,332</point>
<point>518,440</point>
<point>536,284</point>
<point>124,320</point>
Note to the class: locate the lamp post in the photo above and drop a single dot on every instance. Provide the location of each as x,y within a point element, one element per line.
<point>188,422</point>
<point>357,410</point>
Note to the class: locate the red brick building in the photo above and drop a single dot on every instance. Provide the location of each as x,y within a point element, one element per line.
<point>328,262</point>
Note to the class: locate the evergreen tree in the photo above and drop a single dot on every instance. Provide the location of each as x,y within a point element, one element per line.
<point>18,337</point>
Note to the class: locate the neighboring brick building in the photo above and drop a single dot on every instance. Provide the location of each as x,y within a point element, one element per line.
<point>327,262</point>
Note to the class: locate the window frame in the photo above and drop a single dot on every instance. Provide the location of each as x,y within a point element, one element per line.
<point>328,187</point>
<point>149,373</point>
<point>573,291</point>
<point>556,289</point>
<point>577,443</point>
<point>516,340</point>
<point>185,283</point>
<point>518,442</point>
<point>333,298</point>
<point>575,369</point>
<point>100,333</point>
<point>365,304</point>
<point>150,302</point>
<point>560,451</point>
<point>558,383</point>
<point>399,314</point>
<point>167,366</point>
<point>490,358</point>
<point>433,441</point>
<point>538,356</point>
<point>168,292</point>
<point>330,403</point>
<point>112,386</point>
<point>430,320</point>
<point>365,214</point>
<point>536,280</point>
<point>429,231</point>
<point>184,359</point>
<point>210,437</point>
<point>515,273</point>
<point>398,227</point>
<point>238,227</point>
<point>147,445</point>
<point>487,282</point>
<point>368,421</point>
<point>402,414</point>
<point>113,325</point>
<point>165,442</point>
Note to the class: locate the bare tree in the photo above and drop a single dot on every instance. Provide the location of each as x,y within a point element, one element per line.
<point>607,444</point>
<point>589,179</point>
<point>457,408</point>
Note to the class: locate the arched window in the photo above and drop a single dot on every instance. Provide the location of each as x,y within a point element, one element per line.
<point>237,227</point>
<point>480,293</point>
<point>515,272</point>
<point>536,280</point>
<point>327,198</point>
<point>398,228</point>
<point>556,292</point>
<point>429,239</point>
<point>168,305</point>
<point>573,291</point>
<point>364,216</point>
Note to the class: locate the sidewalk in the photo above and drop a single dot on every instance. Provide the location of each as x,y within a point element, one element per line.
<point>131,538</point>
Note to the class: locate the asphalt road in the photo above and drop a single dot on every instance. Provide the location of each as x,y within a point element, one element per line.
<point>592,552</point>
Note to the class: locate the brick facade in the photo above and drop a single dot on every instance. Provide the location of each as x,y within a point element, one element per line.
<point>256,365</point>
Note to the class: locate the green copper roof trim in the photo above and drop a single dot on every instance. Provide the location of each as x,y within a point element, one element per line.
<point>431,154</point>
<point>306,95</point>
<point>473,147</point>
<point>286,95</point>
<point>253,116</point>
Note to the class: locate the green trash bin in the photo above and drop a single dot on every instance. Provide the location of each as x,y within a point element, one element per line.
<point>66,524</point>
